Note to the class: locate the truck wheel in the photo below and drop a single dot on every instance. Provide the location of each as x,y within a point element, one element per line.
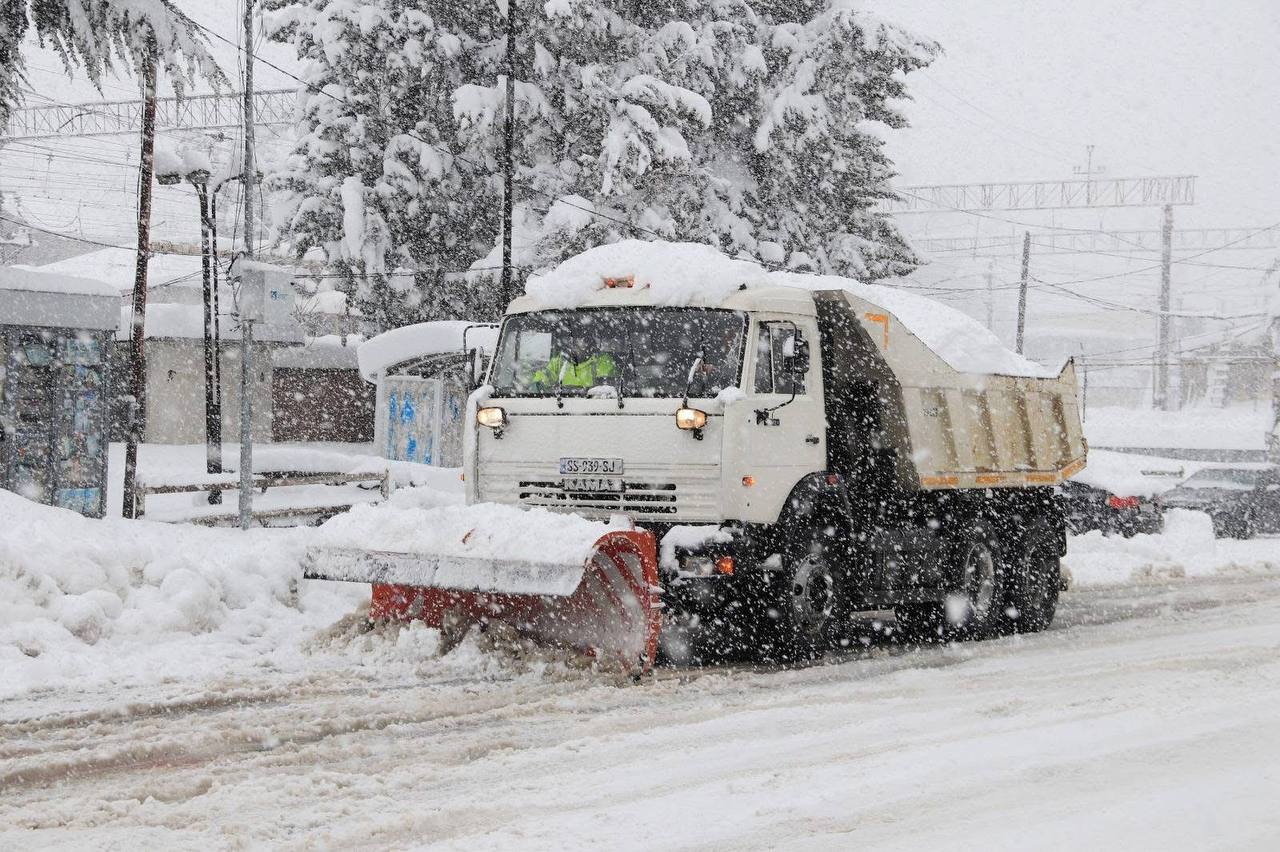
<point>803,609</point>
<point>973,610</point>
<point>1034,583</point>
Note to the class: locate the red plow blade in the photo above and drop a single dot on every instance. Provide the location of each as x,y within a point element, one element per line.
<point>610,607</point>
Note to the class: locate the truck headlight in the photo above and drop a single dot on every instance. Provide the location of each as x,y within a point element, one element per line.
<point>690,418</point>
<point>492,416</point>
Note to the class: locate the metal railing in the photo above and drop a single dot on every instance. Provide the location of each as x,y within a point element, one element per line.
<point>262,482</point>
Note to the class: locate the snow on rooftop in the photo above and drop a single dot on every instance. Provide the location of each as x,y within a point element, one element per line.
<point>693,273</point>
<point>117,267</point>
<point>16,278</point>
<point>421,340</point>
<point>327,352</point>
<point>177,321</point>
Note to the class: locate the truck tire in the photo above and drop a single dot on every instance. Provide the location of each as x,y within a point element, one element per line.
<point>803,608</point>
<point>974,609</point>
<point>1035,578</point>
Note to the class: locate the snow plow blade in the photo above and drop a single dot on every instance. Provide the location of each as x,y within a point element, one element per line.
<point>608,606</point>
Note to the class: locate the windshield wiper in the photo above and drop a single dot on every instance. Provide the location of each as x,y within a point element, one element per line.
<point>629,363</point>
<point>698,361</point>
<point>564,365</point>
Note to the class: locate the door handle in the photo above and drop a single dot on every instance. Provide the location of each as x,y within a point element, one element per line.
<point>812,439</point>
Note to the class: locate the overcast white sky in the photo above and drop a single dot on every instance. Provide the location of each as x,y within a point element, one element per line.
<point>1178,86</point>
<point>1169,87</point>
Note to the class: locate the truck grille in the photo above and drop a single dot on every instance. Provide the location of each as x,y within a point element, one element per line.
<point>638,498</point>
<point>652,492</point>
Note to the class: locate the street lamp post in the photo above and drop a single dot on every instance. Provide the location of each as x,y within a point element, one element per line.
<point>199,178</point>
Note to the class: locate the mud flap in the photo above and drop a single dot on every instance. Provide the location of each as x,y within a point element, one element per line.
<point>608,606</point>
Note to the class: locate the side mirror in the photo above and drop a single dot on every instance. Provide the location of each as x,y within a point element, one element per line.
<point>795,354</point>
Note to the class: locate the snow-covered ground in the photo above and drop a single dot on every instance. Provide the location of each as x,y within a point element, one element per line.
<point>1145,719</point>
<point>171,687</point>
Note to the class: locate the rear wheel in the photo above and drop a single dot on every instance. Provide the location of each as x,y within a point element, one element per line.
<point>1034,582</point>
<point>973,610</point>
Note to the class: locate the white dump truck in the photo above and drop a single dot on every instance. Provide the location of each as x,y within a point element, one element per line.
<point>800,449</point>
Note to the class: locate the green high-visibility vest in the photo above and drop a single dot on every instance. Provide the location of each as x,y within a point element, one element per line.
<point>584,374</point>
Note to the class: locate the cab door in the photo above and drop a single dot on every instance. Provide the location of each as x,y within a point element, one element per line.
<point>781,418</point>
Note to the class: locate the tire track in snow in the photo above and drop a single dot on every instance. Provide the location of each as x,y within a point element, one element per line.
<point>85,747</point>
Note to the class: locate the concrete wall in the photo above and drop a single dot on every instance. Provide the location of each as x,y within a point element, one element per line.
<point>175,392</point>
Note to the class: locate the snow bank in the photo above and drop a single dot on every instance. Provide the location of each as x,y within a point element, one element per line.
<point>420,340</point>
<point>692,273</point>
<point>69,582</point>
<point>1186,548</point>
<point>482,531</point>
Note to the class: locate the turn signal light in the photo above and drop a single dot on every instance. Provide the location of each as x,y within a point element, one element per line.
<point>690,418</point>
<point>724,565</point>
<point>493,417</point>
<point>748,481</point>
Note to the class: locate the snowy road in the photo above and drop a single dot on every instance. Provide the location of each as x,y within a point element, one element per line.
<point>1148,718</point>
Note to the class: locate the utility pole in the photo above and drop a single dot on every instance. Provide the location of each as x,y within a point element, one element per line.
<point>138,364</point>
<point>246,325</point>
<point>212,408</point>
<point>508,156</point>
<point>991,296</point>
<point>1084,383</point>
<point>1161,396</point>
<point>1022,288</point>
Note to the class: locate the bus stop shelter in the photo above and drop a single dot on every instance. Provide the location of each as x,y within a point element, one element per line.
<point>55,338</point>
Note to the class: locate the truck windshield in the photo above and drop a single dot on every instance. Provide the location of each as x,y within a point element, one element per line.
<point>639,352</point>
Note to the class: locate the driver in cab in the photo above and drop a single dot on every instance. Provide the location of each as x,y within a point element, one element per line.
<point>568,369</point>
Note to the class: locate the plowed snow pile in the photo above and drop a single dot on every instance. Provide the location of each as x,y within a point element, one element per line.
<point>78,594</point>
<point>1186,548</point>
<point>137,601</point>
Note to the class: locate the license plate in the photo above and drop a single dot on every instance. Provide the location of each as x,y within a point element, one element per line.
<point>590,467</point>
<point>592,484</point>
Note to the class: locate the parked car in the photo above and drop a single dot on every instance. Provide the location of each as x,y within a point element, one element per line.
<point>1089,507</point>
<point>1242,501</point>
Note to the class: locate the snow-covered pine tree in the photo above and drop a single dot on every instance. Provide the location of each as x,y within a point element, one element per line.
<point>93,34</point>
<point>374,180</point>
<point>749,124</point>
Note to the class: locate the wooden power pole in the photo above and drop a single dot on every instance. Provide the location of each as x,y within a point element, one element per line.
<point>1022,288</point>
<point>137,361</point>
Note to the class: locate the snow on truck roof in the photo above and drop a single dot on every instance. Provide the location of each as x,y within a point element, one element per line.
<point>420,340</point>
<point>693,274</point>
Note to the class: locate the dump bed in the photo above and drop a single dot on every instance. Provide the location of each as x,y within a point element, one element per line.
<point>894,401</point>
